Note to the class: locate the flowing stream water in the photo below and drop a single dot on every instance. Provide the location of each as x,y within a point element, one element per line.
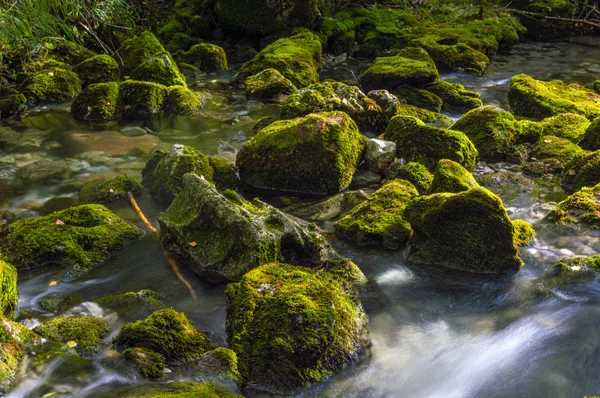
<point>433,336</point>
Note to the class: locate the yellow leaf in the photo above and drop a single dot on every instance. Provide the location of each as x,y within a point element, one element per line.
<point>193,244</point>
<point>53,283</point>
<point>572,172</point>
<point>59,222</point>
<point>50,73</point>
<point>71,343</point>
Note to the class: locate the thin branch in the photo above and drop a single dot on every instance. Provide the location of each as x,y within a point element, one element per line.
<point>531,14</point>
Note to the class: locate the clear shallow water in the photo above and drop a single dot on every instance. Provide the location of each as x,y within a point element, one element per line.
<point>433,335</point>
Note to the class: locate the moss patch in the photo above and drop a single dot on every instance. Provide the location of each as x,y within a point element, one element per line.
<point>51,86</point>
<point>141,100</point>
<point>98,103</point>
<point>580,209</point>
<point>570,126</point>
<point>451,177</point>
<point>182,101</point>
<point>107,191</point>
<point>268,84</point>
<point>86,331</point>
<point>97,69</point>
<point>207,57</point>
<point>173,390</point>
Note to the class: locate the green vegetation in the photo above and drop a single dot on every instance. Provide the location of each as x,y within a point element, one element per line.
<point>580,209</point>
<point>268,84</point>
<point>98,103</point>
<point>86,331</point>
<point>450,176</point>
<point>107,191</point>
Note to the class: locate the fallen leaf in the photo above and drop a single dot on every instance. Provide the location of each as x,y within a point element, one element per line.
<point>547,140</point>
<point>572,172</point>
<point>111,190</point>
<point>52,283</point>
<point>71,343</point>
<point>193,244</point>
<point>50,73</point>
<point>59,222</point>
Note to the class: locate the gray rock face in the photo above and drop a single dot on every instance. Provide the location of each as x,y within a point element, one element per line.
<point>379,153</point>
<point>224,236</point>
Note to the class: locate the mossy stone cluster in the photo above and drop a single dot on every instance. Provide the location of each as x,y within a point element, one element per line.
<point>207,57</point>
<point>107,191</point>
<point>79,237</point>
<point>87,332</point>
<point>298,58</point>
<point>98,69</point>
<point>291,326</point>
<point>168,333</point>
<point>223,236</point>
<point>309,156</point>
<point>379,221</point>
<point>424,144</point>
<point>467,231</point>
<point>581,209</point>
<point>451,177</point>
<point>268,85</point>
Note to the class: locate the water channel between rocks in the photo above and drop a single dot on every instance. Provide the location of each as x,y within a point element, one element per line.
<point>432,337</point>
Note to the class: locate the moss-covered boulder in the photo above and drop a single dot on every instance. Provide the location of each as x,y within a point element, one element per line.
<point>8,289</point>
<point>12,105</point>
<point>335,96</point>
<point>583,170</point>
<point>181,101</point>
<point>424,144</point>
<point>413,172</point>
<point>86,331</point>
<point>142,100</point>
<point>549,155</point>
<point>412,67</point>
<point>310,156</point>
<point>159,68</point>
<point>16,339</point>
<point>468,231</point>
<point>455,97</point>
<point>257,17</point>
<point>493,131</point>
<point>150,364</point>
<point>298,58</point>
<point>570,126</point>
<point>572,270</point>
<point>224,236</point>
<point>166,332</point>
<point>451,177</point>
<point>591,137</point>
<point>419,97</point>
<point>173,390</point>
<point>291,326</point>
<point>138,49</point>
<point>453,57</point>
<point>164,171</point>
<point>378,221</point>
<point>98,103</point>
<point>207,57</point>
<point>98,69</point>
<point>51,86</point>
<point>107,191</point>
<point>268,85</point>
<point>538,99</point>
<point>79,237</point>
<point>581,209</point>
<point>133,305</point>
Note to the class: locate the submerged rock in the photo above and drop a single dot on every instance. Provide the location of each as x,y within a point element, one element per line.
<point>580,209</point>
<point>468,231</point>
<point>309,156</point>
<point>224,236</point>
<point>291,326</point>
<point>221,363</point>
<point>379,221</point>
<point>79,237</point>
<point>86,331</point>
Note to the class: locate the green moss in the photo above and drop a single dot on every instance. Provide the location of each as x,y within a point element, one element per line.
<point>524,233</point>
<point>141,100</point>
<point>428,145</point>
<point>79,237</point>
<point>580,209</point>
<point>550,154</point>
<point>539,100</point>
<point>166,332</point>
<point>60,302</point>
<point>182,101</point>
<point>12,105</point>
<point>208,58</point>
<point>159,68</point>
<point>583,170</point>
<point>468,231</point>
<point>571,270</point>
<point>223,363</point>
<point>133,305</point>
<point>425,116</point>
<point>453,57</point>
<point>314,155</point>
<point>8,288</point>
<point>268,84</point>
<point>413,67</point>
<point>591,137</point>
<point>50,86</point>
<point>173,390</point>
<point>14,339</point>
<point>97,69</point>
<point>87,331</point>
<point>419,97</point>
<point>530,131</point>
<point>570,126</point>
<point>492,130</point>
<point>72,53</point>
<point>98,103</point>
<point>378,221</point>
<point>291,326</point>
<point>163,174</point>
<point>335,96</point>
<point>298,58</point>
<point>149,363</point>
<point>224,174</point>
<point>136,50</point>
<point>455,97</point>
<point>451,177</point>
<point>415,173</point>
<point>107,191</point>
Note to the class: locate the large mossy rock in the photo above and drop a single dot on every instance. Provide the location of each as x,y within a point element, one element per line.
<point>298,58</point>
<point>379,221</point>
<point>581,209</point>
<point>455,97</point>
<point>570,126</point>
<point>549,155</point>
<point>142,100</point>
<point>182,101</point>
<point>97,103</point>
<point>87,332</point>
<point>453,57</point>
<point>98,69</point>
<point>168,333</point>
<point>309,156</point>
<point>224,236</point>
<point>51,86</point>
<point>173,390</point>
<point>159,68</point>
<point>583,170</point>
<point>138,49</point>
<point>335,96</point>
<point>258,17</point>
<point>424,144</point>
<point>412,67</point>
<point>8,289</point>
<point>207,57</point>
<point>269,84</point>
<point>539,99</point>
<point>468,231</point>
<point>451,177</point>
<point>291,326</point>
<point>493,131</point>
<point>79,237</point>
